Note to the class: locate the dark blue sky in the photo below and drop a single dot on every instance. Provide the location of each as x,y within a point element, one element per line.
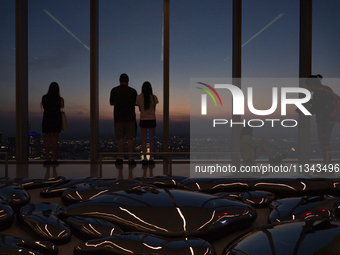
<point>131,41</point>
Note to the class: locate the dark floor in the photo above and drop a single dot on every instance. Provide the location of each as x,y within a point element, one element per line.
<point>106,171</point>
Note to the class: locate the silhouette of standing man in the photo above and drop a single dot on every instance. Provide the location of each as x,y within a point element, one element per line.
<point>123,98</point>
<point>322,107</point>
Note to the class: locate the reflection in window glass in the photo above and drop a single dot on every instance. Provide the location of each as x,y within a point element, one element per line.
<point>270,48</point>
<point>326,38</point>
<point>7,77</point>
<point>130,41</point>
<point>200,47</point>
<point>326,55</point>
<point>58,43</point>
<point>270,38</point>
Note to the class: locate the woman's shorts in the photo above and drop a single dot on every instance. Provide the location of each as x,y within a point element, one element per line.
<point>147,123</point>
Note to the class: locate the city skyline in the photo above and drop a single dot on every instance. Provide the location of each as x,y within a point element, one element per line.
<point>79,148</point>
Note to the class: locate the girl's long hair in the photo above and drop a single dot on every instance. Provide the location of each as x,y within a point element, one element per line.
<point>148,96</point>
<point>53,90</point>
<point>53,94</point>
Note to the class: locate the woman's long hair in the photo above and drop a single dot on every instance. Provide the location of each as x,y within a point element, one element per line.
<point>53,94</point>
<point>148,96</point>
<point>53,90</point>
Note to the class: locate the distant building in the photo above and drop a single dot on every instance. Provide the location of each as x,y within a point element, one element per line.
<point>34,145</point>
<point>11,147</point>
<point>2,148</point>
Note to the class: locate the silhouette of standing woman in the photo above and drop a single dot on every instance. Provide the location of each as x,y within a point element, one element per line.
<point>147,106</point>
<point>52,103</point>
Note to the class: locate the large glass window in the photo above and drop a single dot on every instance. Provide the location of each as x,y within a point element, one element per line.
<point>7,77</point>
<point>326,55</point>
<point>200,47</point>
<point>326,38</point>
<point>58,41</point>
<point>270,38</point>
<point>130,41</point>
<point>270,49</point>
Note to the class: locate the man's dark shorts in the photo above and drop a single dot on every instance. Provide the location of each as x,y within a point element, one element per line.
<point>127,129</point>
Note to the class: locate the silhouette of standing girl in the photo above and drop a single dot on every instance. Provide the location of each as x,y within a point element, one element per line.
<point>147,106</point>
<point>52,103</point>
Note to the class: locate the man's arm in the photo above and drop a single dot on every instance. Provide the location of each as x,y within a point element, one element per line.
<point>135,92</point>
<point>112,102</point>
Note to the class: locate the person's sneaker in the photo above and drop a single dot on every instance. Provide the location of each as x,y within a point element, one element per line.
<point>132,162</point>
<point>144,162</point>
<point>151,162</point>
<point>119,161</point>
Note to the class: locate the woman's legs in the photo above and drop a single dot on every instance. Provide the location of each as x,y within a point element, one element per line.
<point>152,147</point>
<point>55,139</point>
<point>144,139</point>
<point>151,140</point>
<point>47,145</point>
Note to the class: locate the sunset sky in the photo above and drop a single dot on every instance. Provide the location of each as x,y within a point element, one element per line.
<point>130,41</point>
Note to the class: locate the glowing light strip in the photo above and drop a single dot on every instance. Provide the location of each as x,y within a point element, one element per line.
<point>68,31</point>
<point>119,219</point>
<point>212,217</point>
<point>229,184</point>
<point>198,186</point>
<point>135,216</point>
<point>152,247</point>
<point>112,231</point>
<point>38,243</point>
<point>107,242</point>
<point>47,230</point>
<point>184,221</point>
<point>61,233</point>
<point>99,193</point>
<point>94,229</point>
<point>274,184</point>
<point>77,192</point>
